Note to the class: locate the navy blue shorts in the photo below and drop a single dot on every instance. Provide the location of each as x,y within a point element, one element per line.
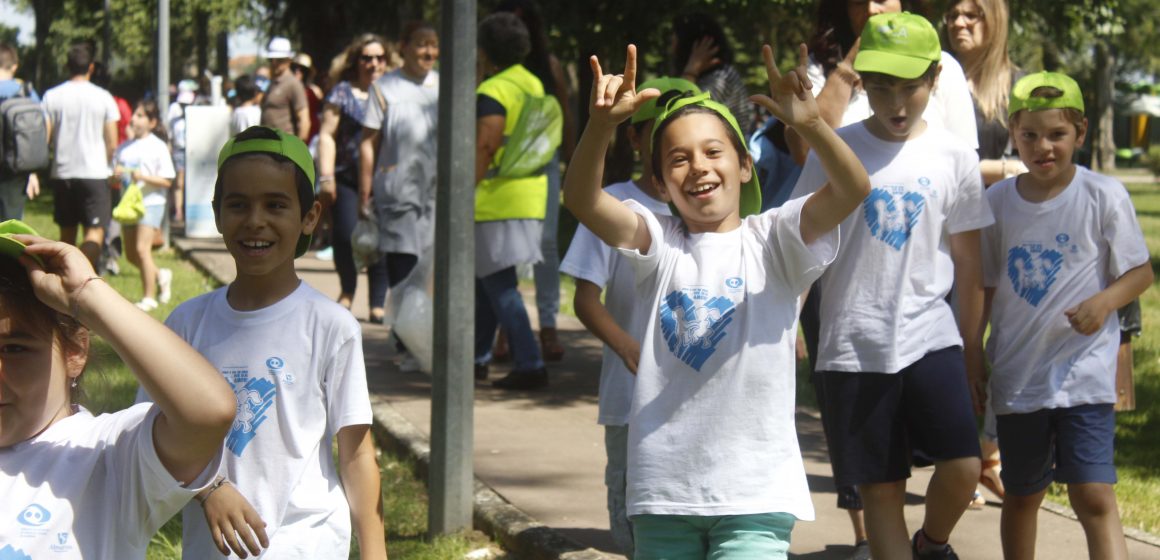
<point>1069,445</point>
<point>877,420</point>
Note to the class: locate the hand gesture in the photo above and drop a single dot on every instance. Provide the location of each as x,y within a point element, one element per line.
<point>845,69</point>
<point>614,97</point>
<point>230,516</point>
<point>790,98</point>
<point>1087,317</point>
<point>702,57</point>
<point>63,272</point>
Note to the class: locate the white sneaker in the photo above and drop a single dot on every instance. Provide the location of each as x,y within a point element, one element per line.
<point>164,285</point>
<point>146,304</point>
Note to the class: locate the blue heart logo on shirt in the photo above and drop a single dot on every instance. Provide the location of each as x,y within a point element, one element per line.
<point>891,219</point>
<point>692,329</point>
<point>1032,272</point>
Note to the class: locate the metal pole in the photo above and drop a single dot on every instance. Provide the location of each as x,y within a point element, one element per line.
<point>163,85</point>
<point>452,389</point>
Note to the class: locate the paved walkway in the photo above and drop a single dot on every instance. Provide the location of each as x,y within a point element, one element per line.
<point>544,453</point>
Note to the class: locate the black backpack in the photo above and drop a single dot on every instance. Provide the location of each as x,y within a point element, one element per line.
<point>23,134</point>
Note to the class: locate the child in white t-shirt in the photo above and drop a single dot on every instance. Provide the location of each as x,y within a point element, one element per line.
<point>294,359</point>
<point>144,159</point>
<point>75,485</point>
<point>713,460</point>
<point>895,369</point>
<point>615,321</point>
<point>1064,254</point>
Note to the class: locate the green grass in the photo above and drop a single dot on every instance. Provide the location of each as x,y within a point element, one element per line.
<point>108,386</point>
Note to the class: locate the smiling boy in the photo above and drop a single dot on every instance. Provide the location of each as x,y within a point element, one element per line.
<point>891,361</point>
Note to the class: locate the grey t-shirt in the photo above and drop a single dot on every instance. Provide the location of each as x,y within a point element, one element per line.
<point>78,111</point>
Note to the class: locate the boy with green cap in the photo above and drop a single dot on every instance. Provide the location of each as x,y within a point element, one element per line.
<point>615,321</point>
<point>294,359</point>
<point>895,369</point>
<point>1064,254</point>
<point>714,467</point>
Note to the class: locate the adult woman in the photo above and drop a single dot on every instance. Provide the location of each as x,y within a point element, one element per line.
<point>701,54</point>
<point>338,163</point>
<point>548,69</point>
<point>397,153</point>
<point>976,32</point>
<point>837,87</point>
<point>509,200</point>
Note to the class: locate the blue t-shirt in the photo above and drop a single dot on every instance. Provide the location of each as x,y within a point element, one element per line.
<point>11,88</point>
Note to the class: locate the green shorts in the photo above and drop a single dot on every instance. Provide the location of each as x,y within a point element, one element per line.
<point>759,536</point>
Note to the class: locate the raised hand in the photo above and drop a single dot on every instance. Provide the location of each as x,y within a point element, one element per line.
<point>790,98</point>
<point>59,274</point>
<point>702,57</point>
<point>614,97</point>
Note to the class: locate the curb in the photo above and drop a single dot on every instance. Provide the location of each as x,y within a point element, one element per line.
<point>516,531</point>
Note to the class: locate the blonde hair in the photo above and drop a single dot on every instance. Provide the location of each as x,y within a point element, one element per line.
<point>989,76</point>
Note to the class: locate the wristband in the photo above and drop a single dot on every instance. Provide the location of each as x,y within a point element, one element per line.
<point>217,483</point>
<point>75,297</point>
<point>326,179</point>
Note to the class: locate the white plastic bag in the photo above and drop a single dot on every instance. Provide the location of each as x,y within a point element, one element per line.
<point>364,241</point>
<point>410,312</point>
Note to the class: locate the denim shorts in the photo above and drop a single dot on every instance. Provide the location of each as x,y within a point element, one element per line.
<point>153,215</point>
<point>1070,445</point>
<point>758,536</point>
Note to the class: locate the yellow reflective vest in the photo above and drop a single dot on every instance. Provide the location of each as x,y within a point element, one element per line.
<point>502,198</point>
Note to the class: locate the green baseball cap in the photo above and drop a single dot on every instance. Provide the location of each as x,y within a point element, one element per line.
<point>12,247</point>
<point>751,189</point>
<point>287,145</point>
<point>649,110</point>
<point>898,44</point>
<point>1021,98</point>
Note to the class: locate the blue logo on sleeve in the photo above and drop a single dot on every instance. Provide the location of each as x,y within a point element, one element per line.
<point>35,515</point>
<point>892,219</point>
<point>10,553</point>
<point>1032,271</point>
<point>692,328</point>
<point>254,398</point>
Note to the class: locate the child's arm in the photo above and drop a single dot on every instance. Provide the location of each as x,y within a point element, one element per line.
<point>790,101</point>
<point>367,145</point>
<point>1087,317</point>
<point>360,481</point>
<point>966,252</point>
<point>197,406</point>
<point>152,180</point>
<point>229,515</point>
<point>600,323</point>
<point>613,99</point>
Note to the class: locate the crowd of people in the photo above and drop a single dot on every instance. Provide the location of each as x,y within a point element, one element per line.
<point>908,190</point>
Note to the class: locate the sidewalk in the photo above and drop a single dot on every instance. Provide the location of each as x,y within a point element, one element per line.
<point>544,453</point>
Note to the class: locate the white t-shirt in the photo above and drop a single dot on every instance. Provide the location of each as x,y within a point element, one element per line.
<point>1042,259</point>
<point>78,111</point>
<point>883,303</point>
<point>297,369</point>
<point>712,424</point>
<point>150,156</point>
<point>89,487</point>
<point>591,259</point>
<point>244,117</point>
<point>950,105</point>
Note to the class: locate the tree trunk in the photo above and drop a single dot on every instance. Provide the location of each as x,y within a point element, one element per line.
<point>44,12</point>
<point>1103,142</point>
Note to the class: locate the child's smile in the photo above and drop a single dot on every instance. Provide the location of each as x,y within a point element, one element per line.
<point>702,172</point>
<point>1046,141</point>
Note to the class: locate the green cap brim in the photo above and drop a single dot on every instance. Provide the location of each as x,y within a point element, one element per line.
<point>649,109</point>
<point>891,64</point>
<point>10,246</point>
<point>750,202</point>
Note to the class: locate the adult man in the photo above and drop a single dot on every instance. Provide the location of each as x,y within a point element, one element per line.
<point>285,106</point>
<point>14,186</point>
<point>82,124</point>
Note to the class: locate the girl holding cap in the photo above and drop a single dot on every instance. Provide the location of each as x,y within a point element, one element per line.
<point>83,485</point>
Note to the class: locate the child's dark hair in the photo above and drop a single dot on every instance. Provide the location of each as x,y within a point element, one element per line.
<point>928,76</point>
<point>80,56</point>
<point>304,187</point>
<point>18,298</point>
<point>738,143</point>
<point>692,27</point>
<point>153,112</point>
<point>244,88</point>
<point>1074,116</point>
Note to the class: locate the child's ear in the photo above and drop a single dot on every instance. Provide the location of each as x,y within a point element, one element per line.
<point>746,168</point>
<point>1081,132</point>
<point>659,186</point>
<point>310,220</point>
<point>633,138</point>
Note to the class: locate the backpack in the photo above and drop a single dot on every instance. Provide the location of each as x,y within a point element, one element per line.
<point>23,134</point>
<point>534,140</point>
